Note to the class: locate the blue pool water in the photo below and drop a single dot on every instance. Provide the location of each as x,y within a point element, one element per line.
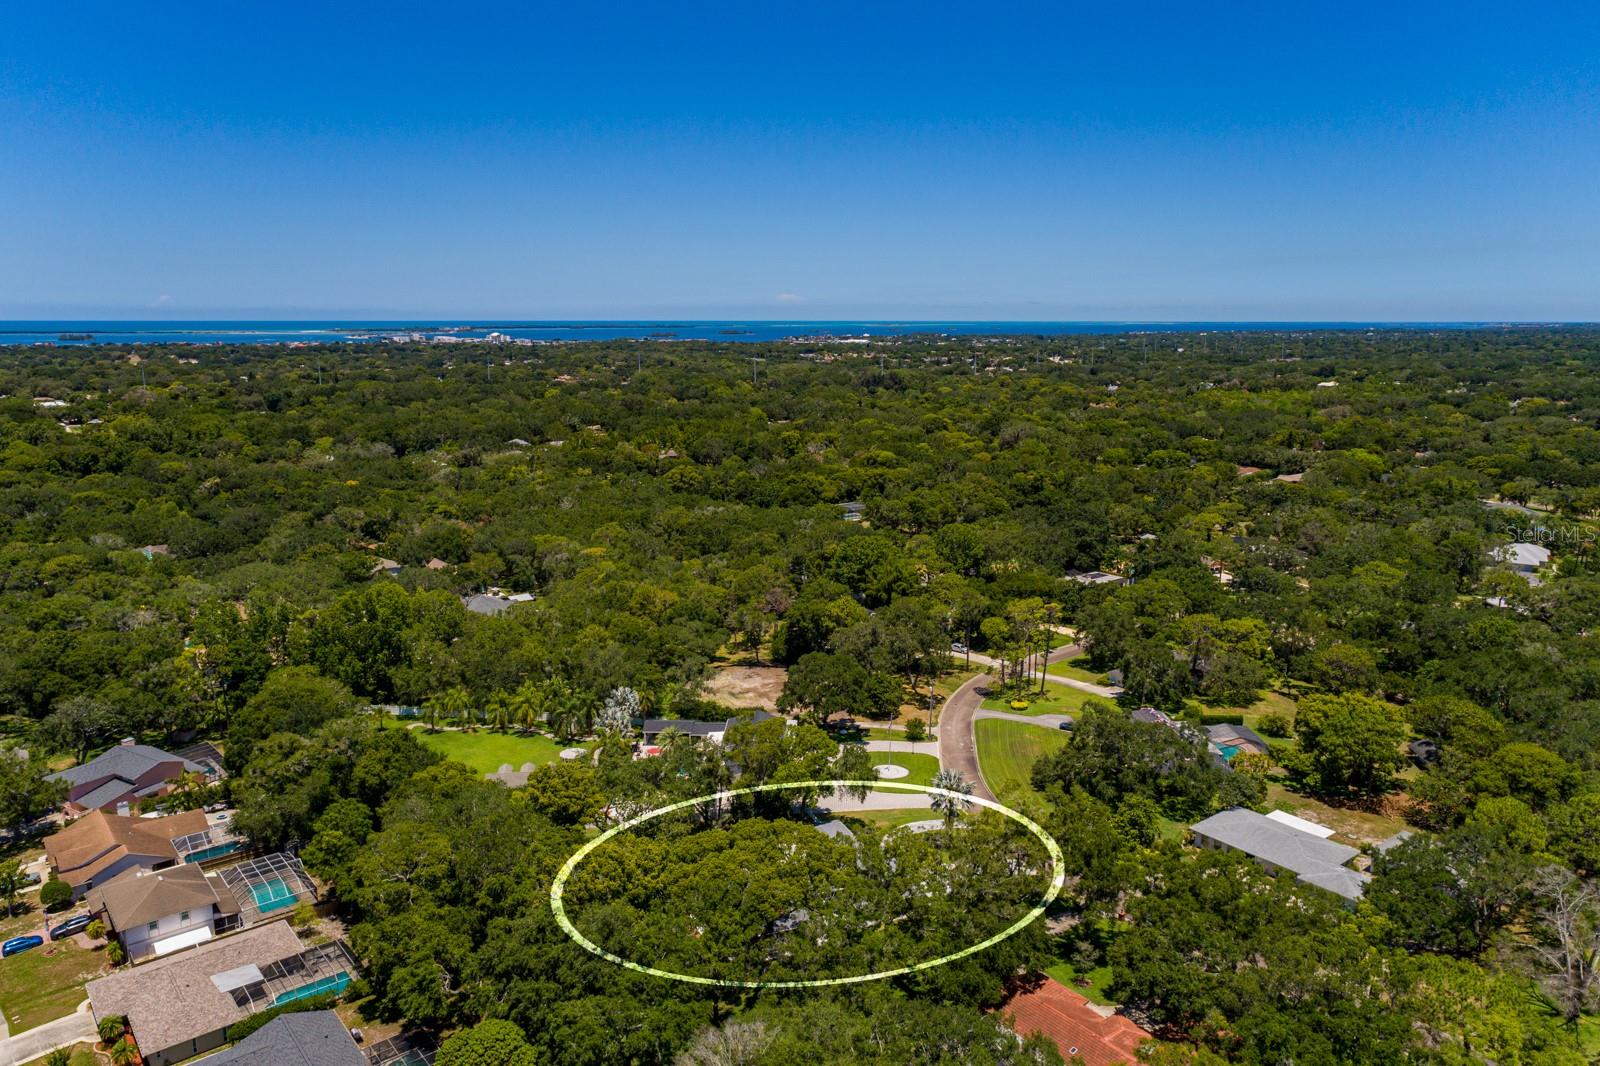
<point>273,895</point>
<point>335,984</point>
<point>214,851</point>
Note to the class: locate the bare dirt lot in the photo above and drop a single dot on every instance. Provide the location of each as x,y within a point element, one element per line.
<point>746,686</point>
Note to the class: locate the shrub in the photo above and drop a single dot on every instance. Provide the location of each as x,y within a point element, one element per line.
<point>241,1029</point>
<point>111,1028</point>
<point>1221,719</point>
<point>116,953</point>
<point>916,730</point>
<point>95,930</point>
<point>55,894</point>
<point>1276,725</point>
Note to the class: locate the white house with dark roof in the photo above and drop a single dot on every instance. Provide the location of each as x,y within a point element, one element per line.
<point>157,912</point>
<point>1282,847</point>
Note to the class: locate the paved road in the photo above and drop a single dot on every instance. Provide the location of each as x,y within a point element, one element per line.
<point>43,1039</point>
<point>957,749</point>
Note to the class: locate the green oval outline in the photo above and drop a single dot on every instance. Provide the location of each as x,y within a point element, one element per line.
<point>558,886</point>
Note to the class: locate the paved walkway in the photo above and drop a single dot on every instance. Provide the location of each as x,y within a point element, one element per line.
<point>873,801</point>
<point>1047,721</point>
<point>77,1027</point>
<point>921,747</point>
<point>957,749</point>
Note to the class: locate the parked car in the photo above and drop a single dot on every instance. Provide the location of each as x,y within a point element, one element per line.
<point>31,878</point>
<point>19,944</point>
<point>76,924</point>
<point>1067,725</point>
<point>959,648</point>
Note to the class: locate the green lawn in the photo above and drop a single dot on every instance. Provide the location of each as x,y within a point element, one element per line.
<point>1007,752</point>
<point>888,819</point>
<point>897,734</point>
<point>1102,932</point>
<point>1078,670</point>
<point>1094,991</point>
<point>1350,826</point>
<point>46,982</point>
<point>921,767</point>
<point>1589,1035</point>
<point>486,752</point>
<point>1057,699</point>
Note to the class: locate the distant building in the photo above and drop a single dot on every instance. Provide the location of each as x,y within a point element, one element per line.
<point>853,511</point>
<point>115,780</point>
<point>152,550</point>
<point>1095,577</point>
<point>712,731</point>
<point>1522,557</point>
<point>1292,479</point>
<point>386,566</point>
<point>1279,847</point>
<point>495,601</point>
<point>437,563</point>
<point>1232,739</point>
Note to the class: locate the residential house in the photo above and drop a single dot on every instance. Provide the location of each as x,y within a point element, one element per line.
<point>495,602</point>
<point>712,731</point>
<point>386,566</point>
<point>117,779</point>
<point>1078,1030</point>
<point>1522,558</point>
<point>305,1038</point>
<point>1232,739</point>
<point>437,563</point>
<point>853,511</point>
<point>181,1005</point>
<point>1313,859</point>
<point>100,846</point>
<point>157,912</point>
<point>1095,577</point>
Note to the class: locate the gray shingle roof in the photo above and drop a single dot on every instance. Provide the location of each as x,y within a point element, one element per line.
<point>135,897</point>
<point>1317,861</point>
<point>309,1038</point>
<point>173,1000</point>
<point>127,761</point>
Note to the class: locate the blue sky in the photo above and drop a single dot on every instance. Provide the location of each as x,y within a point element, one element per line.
<point>801,160</point>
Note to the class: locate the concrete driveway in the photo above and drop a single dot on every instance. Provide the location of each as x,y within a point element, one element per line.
<point>77,1027</point>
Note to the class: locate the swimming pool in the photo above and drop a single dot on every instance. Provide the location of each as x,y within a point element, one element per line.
<point>214,851</point>
<point>335,984</point>
<point>273,895</point>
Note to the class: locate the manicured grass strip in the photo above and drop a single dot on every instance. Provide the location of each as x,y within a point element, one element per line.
<point>46,982</point>
<point>1057,699</point>
<point>1006,754</point>
<point>921,767</point>
<point>1078,670</point>
<point>487,752</point>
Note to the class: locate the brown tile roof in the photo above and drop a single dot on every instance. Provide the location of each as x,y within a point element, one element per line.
<point>173,1000</point>
<point>97,840</point>
<point>139,896</point>
<point>1067,1019</point>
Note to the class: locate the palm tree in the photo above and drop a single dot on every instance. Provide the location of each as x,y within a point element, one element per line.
<point>111,1028</point>
<point>527,704</point>
<point>456,704</point>
<point>499,711</point>
<point>951,807</point>
<point>124,1053</point>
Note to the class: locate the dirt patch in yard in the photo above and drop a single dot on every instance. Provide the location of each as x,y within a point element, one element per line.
<point>746,686</point>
